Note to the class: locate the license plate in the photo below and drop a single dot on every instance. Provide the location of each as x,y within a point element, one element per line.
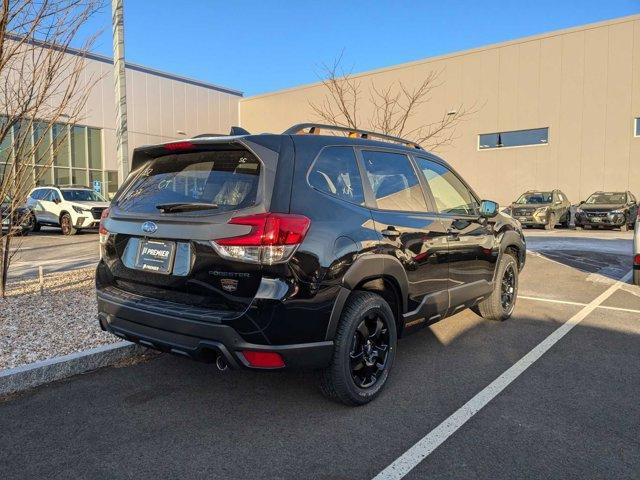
<point>523,219</point>
<point>155,256</point>
<point>596,220</point>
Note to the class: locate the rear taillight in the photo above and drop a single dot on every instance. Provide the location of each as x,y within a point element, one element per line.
<point>263,359</point>
<point>273,238</point>
<point>103,232</point>
<point>636,259</point>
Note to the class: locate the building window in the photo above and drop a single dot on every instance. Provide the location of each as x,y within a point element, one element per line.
<point>515,138</point>
<point>94,137</point>
<point>638,127</point>
<point>112,183</point>
<point>79,147</point>
<point>60,145</point>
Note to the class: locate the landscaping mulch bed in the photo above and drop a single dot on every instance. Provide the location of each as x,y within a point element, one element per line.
<point>62,320</point>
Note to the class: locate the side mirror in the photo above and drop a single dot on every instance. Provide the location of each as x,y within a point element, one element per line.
<point>56,200</point>
<point>488,208</point>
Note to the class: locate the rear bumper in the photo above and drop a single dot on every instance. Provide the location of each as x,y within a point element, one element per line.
<point>202,341</point>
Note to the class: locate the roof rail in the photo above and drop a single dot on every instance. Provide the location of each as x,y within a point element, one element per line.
<point>315,128</point>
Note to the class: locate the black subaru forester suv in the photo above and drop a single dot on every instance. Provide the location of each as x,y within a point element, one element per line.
<point>299,250</point>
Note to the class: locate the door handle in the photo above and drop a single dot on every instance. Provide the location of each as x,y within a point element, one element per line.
<point>390,231</point>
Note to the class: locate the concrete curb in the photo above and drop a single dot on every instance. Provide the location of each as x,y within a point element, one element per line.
<point>28,376</point>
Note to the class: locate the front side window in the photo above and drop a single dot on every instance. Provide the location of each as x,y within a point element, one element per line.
<point>515,138</point>
<point>450,194</point>
<point>216,180</point>
<point>393,181</point>
<point>336,172</point>
<point>82,195</point>
<point>607,198</point>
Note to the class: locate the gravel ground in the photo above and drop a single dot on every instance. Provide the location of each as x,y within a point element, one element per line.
<point>35,327</point>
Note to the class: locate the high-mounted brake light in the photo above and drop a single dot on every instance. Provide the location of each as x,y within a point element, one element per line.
<point>273,238</point>
<point>102,230</point>
<point>175,146</point>
<point>263,359</point>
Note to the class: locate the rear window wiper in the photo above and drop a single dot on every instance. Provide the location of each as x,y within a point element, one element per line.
<point>185,207</point>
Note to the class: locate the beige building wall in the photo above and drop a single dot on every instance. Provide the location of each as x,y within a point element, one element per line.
<point>159,107</point>
<point>582,83</point>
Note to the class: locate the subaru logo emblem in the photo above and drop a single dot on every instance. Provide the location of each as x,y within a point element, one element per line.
<point>149,227</point>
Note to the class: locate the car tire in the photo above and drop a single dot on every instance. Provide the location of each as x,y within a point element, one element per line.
<point>551,222</point>
<point>66,225</point>
<point>357,351</point>
<point>29,227</point>
<point>625,226</point>
<point>567,220</point>
<point>36,225</point>
<point>495,307</point>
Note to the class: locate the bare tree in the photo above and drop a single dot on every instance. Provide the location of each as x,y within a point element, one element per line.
<point>42,85</point>
<point>394,107</point>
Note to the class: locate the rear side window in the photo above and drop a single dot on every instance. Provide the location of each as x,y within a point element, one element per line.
<point>38,194</point>
<point>336,172</point>
<point>227,180</point>
<point>393,181</point>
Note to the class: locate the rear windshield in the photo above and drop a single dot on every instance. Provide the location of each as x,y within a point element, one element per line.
<point>227,180</point>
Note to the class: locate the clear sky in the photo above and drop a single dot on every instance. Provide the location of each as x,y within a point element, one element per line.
<point>261,46</point>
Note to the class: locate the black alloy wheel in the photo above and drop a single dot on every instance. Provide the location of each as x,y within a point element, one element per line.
<point>364,350</point>
<point>369,350</point>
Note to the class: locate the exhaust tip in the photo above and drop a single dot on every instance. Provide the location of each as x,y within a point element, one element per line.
<point>221,363</point>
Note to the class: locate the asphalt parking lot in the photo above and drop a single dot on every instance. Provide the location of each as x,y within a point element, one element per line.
<point>570,411</point>
<point>53,251</point>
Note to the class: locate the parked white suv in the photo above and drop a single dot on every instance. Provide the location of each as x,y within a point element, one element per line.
<point>71,208</point>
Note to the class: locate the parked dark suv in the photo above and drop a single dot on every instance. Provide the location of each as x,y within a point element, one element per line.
<point>299,250</point>
<point>542,209</point>
<point>608,209</point>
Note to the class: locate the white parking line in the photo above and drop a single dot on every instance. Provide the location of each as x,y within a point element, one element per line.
<point>423,448</point>
<point>565,302</point>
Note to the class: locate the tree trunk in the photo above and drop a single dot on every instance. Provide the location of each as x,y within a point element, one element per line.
<point>4,261</point>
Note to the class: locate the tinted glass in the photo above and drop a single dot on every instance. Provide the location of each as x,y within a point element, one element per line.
<point>61,176</point>
<point>228,180</point>
<point>80,195</point>
<point>450,194</point>
<point>79,177</point>
<point>38,194</point>
<point>534,197</point>
<point>336,173</point>
<point>112,183</point>
<point>608,197</point>
<point>43,176</point>
<point>42,139</point>
<point>637,127</point>
<point>393,181</point>
<point>516,138</point>
<point>95,148</point>
<point>78,143</point>
<point>61,145</point>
